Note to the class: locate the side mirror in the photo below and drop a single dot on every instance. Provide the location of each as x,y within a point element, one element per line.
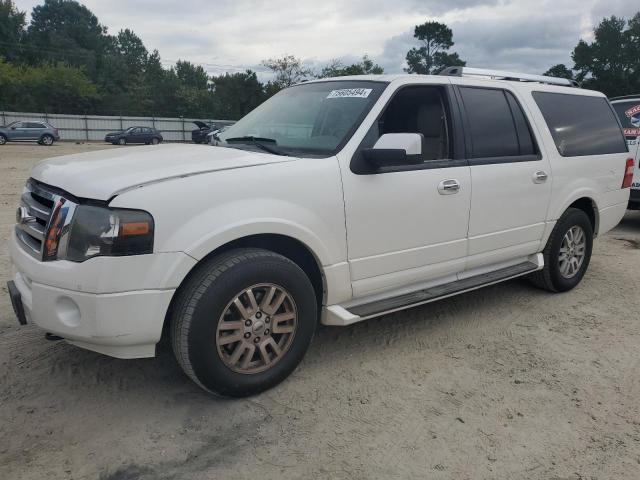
<point>395,149</point>
<point>13,128</point>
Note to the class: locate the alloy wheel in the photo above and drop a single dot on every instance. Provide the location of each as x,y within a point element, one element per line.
<point>256,328</point>
<point>572,252</point>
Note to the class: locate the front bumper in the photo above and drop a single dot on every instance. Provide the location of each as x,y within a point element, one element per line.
<point>114,306</point>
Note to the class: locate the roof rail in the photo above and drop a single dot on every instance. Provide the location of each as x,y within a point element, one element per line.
<point>502,75</point>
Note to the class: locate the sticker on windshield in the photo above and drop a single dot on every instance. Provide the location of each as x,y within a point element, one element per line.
<point>350,93</point>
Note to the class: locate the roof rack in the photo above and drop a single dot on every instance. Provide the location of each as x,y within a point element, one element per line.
<point>502,75</point>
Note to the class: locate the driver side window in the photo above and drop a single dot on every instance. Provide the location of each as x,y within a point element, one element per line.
<point>419,109</point>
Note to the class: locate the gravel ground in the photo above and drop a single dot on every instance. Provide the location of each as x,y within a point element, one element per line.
<point>505,382</point>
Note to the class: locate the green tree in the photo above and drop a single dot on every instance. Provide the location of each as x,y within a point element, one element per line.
<point>12,23</point>
<point>66,31</point>
<point>193,76</point>
<point>53,88</point>
<point>336,68</point>
<point>433,53</point>
<point>287,70</point>
<point>560,71</point>
<point>611,62</point>
<point>236,94</point>
<point>131,48</point>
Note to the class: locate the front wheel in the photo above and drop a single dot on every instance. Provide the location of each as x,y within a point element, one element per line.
<point>243,321</point>
<point>122,141</point>
<point>3,139</point>
<point>567,253</point>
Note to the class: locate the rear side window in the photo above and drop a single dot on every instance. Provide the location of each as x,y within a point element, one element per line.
<point>580,124</point>
<point>497,125</point>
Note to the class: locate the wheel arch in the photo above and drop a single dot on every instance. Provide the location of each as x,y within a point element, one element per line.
<point>588,206</point>
<point>583,200</point>
<point>289,247</point>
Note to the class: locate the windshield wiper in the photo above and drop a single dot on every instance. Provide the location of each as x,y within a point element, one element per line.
<point>258,142</point>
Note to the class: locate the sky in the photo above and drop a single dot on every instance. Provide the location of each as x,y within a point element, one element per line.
<point>233,35</point>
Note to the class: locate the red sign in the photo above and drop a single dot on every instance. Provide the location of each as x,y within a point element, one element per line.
<point>632,111</point>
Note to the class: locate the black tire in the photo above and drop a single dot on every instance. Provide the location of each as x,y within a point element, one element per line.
<point>122,141</point>
<point>3,139</point>
<point>155,141</point>
<point>46,140</point>
<point>550,278</point>
<point>205,296</point>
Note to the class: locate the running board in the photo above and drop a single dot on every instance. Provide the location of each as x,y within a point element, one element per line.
<point>346,315</point>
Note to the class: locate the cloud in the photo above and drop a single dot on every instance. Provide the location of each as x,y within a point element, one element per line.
<point>232,35</point>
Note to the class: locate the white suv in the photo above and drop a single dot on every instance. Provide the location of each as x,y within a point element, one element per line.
<point>335,201</point>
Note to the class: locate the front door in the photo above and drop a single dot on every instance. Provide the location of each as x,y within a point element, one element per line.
<point>403,227</point>
<point>511,177</point>
<point>19,131</point>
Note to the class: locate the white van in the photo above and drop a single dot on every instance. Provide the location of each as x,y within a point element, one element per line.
<point>335,201</point>
<point>628,110</point>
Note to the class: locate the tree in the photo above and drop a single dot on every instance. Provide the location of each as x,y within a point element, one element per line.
<point>191,75</point>
<point>336,68</point>
<point>560,71</point>
<point>236,94</point>
<point>12,24</point>
<point>611,63</point>
<point>131,48</point>
<point>53,88</point>
<point>288,70</point>
<point>66,31</point>
<point>432,56</point>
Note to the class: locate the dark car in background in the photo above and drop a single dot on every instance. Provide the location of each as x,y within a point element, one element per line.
<point>38,131</point>
<point>146,135</point>
<point>200,134</point>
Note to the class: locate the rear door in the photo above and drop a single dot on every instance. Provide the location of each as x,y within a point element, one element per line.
<point>510,177</point>
<point>36,129</point>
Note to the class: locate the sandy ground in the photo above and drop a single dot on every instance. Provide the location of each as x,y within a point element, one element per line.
<point>506,382</point>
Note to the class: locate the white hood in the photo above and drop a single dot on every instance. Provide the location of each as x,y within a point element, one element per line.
<point>103,174</point>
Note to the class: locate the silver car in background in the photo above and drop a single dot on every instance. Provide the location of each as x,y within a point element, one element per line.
<point>39,131</point>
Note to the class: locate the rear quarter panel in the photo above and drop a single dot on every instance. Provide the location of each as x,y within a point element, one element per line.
<point>597,177</point>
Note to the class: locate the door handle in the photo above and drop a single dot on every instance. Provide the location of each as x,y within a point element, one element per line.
<point>540,176</point>
<point>448,187</point>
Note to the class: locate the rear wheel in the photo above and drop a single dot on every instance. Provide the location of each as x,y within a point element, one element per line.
<point>3,139</point>
<point>567,253</point>
<point>155,141</point>
<point>46,140</point>
<point>243,321</point>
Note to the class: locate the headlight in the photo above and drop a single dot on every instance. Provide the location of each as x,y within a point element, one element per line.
<point>100,231</point>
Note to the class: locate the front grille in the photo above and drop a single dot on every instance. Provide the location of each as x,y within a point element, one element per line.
<point>37,205</point>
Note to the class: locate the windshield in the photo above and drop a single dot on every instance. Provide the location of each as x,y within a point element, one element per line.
<point>311,118</point>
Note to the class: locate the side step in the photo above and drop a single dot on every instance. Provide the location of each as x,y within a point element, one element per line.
<point>376,308</point>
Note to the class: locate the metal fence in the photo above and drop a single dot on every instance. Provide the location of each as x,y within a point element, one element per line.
<point>94,127</point>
